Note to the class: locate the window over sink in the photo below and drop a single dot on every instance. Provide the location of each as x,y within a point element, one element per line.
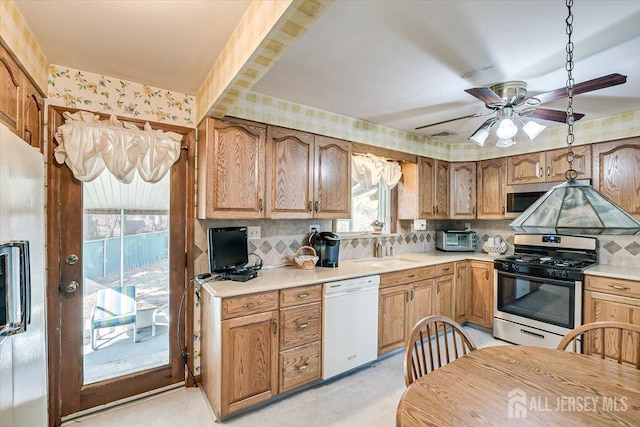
<point>367,205</point>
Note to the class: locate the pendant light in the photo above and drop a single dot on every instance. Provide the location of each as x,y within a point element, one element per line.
<point>572,207</point>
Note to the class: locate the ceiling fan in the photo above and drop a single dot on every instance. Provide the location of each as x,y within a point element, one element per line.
<point>508,101</point>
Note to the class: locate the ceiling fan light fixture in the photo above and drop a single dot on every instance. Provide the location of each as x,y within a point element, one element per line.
<point>505,142</point>
<point>533,129</point>
<point>506,129</point>
<point>480,136</point>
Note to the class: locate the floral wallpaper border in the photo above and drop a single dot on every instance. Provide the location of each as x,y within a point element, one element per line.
<point>73,88</point>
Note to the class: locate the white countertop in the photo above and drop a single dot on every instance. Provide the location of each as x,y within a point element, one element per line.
<point>615,271</point>
<point>290,276</point>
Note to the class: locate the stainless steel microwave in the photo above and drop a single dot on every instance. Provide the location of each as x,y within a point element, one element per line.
<point>461,241</point>
<point>521,196</point>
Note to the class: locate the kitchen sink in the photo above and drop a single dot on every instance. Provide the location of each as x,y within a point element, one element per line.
<point>385,262</point>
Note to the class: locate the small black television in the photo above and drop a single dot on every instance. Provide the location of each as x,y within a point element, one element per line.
<point>227,249</point>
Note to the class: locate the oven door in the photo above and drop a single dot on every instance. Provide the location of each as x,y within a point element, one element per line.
<point>544,303</point>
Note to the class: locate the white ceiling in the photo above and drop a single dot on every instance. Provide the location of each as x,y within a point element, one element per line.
<point>401,64</point>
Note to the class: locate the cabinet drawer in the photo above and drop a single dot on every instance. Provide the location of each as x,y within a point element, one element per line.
<point>249,304</point>
<point>300,295</point>
<point>299,366</point>
<point>625,288</point>
<point>300,325</point>
<point>444,269</point>
<point>407,276</point>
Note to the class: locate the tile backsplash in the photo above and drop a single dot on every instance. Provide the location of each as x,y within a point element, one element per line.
<point>280,239</point>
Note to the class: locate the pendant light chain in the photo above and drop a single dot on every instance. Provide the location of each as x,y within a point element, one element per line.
<point>570,173</point>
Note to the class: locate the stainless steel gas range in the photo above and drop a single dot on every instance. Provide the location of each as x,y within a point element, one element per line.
<point>538,290</point>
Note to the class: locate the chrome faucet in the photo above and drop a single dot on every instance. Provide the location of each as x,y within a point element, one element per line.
<point>379,249</point>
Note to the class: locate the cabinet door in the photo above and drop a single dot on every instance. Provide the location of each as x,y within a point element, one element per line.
<point>526,168</point>
<point>33,116</point>
<point>461,291</point>
<point>557,165</point>
<point>441,185</point>
<point>392,318</point>
<point>231,169</point>
<point>10,87</point>
<point>491,191</point>
<point>463,190</point>
<point>599,307</point>
<point>616,174</point>
<point>426,172</point>
<point>289,172</point>
<point>249,360</point>
<point>481,301</point>
<point>332,195</point>
<point>421,302</point>
<point>444,296</point>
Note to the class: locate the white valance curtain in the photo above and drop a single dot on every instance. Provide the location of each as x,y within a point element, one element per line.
<point>88,145</point>
<point>369,171</point>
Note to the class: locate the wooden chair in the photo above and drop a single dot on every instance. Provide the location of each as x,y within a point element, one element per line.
<point>422,357</point>
<point>623,346</point>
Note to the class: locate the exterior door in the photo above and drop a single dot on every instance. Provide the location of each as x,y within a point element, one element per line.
<point>114,295</point>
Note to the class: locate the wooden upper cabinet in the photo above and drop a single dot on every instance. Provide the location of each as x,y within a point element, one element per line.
<point>491,189</point>
<point>10,92</point>
<point>526,168</point>
<point>463,190</point>
<point>231,156</point>
<point>556,162</point>
<point>289,173</point>
<point>332,170</point>
<point>423,191</point>
<point>616,174</point>
<point>33,116</point>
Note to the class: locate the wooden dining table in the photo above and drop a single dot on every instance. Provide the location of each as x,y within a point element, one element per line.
<point>520,385</point>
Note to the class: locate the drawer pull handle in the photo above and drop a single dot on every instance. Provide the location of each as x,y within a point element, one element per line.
<point>252,304</point>
<point>410,276</point>
<point>303,368</point>
<point>620,288</point>
<point>446,269</point>
<point>302,326</point>
<point>301,296</point>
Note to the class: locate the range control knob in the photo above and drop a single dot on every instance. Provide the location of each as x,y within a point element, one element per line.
<point>515,267</point>
<point>552,272</point>
<point>565,273</point>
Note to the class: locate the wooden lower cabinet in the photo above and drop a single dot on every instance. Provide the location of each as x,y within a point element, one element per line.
<point>615,300</point>
<point>410,295</point>
<point>461,291</point>
<point>249,360</point>
<point>480,308</point>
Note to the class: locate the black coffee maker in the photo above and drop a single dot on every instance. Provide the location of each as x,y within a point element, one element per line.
<point>327,246</point>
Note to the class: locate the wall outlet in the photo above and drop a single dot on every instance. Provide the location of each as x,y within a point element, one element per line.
<point>314,227</point>
<point>253,233</point>
<point>467,226</point>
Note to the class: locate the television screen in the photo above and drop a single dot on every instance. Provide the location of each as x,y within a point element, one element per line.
<point>227,249</point>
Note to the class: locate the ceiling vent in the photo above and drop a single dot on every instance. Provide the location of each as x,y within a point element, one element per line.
<point>443,134</point>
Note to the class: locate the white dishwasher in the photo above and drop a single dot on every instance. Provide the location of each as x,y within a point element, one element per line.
<point>350,324</point>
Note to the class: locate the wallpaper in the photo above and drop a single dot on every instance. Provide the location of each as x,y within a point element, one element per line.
<point>87,91</point>
<point>262,36</point>
<point>15,34</point>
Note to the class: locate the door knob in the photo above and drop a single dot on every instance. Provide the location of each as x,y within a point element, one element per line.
<point>71,287</point>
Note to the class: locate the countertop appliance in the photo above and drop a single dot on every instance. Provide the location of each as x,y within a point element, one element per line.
<point>538,290</point>
<point>23,351</point>
<point>457,241</point>
<point>521,196</point>
<point>327,246</point>
<point>349,324</point>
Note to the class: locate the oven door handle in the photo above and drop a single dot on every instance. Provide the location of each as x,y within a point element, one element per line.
<point>566,283</point>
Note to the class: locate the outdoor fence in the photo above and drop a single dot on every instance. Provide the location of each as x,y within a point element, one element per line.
<point>102,257</point>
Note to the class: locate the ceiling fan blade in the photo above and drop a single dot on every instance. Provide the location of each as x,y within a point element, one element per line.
<point>451,120</point>
<point>487,124</point>
<point>588,86</point>
<point>485,95</point>
<point>553,115</point>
